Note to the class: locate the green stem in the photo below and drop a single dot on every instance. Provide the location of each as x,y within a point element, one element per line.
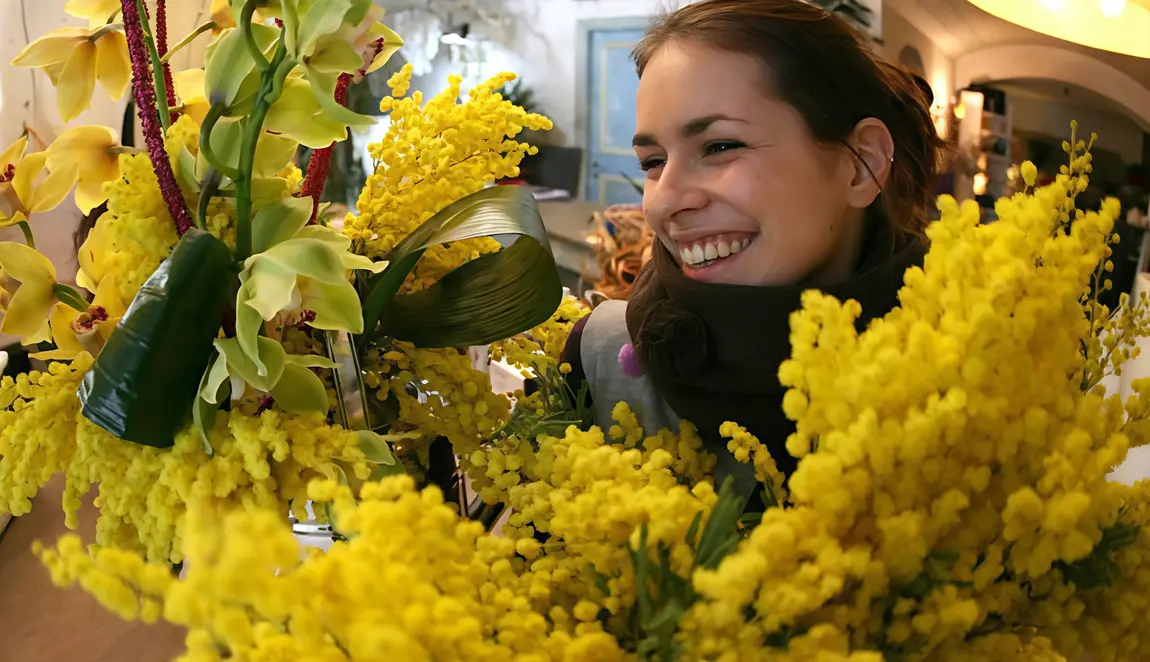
<point>28,237</point>
<point>210,25</point>
<point>217,110</point>
<point>157,69</point>
<point>270,80</point>
<point>70,297</point>
<point>246,13</point>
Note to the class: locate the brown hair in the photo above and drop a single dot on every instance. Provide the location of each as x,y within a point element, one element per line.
<point>819,65</point>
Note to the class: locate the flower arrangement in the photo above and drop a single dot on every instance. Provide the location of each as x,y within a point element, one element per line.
<point>217,353</point>
<point>951,500</point>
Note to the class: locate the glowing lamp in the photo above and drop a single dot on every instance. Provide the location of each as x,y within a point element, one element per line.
<point>1119,26</point>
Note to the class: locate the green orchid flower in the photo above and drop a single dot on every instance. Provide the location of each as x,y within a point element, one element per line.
<point>331,37</point>
<point>296,267</point>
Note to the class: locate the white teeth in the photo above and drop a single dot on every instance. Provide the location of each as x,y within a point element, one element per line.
<point>724,249</point>
<point>736,247</point>
<point>686,255</point>
<point>697,255</point>
<point>710,253</point>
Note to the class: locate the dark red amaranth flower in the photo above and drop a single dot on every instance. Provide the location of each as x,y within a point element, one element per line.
<point>8,174</point>
<point>144,93</point>
<point>162,49</point>
<point>320,161</point>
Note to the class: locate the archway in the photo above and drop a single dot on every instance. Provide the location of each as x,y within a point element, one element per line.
<point>1047,62</point>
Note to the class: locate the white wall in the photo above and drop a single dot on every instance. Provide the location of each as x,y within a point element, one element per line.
<point>1115,132</point>
<point>898,33</point>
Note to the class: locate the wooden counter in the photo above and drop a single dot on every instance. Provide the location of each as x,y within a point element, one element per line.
<point>41,623</point>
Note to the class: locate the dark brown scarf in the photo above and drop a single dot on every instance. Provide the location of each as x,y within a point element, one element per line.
<point>714,350</point>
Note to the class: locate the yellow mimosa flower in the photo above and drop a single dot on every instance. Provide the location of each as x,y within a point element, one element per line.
<point>189,86</point>
<point>74,58</point>
<point>75,332</point>
<point>90,151</point>
<point>27,310</point>
<point>98,12</point>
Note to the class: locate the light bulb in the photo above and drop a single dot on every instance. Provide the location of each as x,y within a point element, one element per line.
<point>1112,8</point>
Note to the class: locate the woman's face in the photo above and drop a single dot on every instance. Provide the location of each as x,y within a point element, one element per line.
<point>737,189</point>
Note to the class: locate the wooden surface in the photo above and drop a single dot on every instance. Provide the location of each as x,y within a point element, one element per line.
<point>41,623</point>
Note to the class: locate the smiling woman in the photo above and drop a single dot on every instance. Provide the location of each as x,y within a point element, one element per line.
<point>780,155</point>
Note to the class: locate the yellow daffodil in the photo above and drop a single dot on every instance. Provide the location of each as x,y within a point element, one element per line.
<point>74,58</point>
<point>75,332</point>
<point>189,86</point>
<point>20,193</point>
<point>98,12</point>
<point>27,310</point>
<point>90,151</point>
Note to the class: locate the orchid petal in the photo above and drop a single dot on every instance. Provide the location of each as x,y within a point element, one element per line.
<point>77,82</point>
<point>113,64</point>
<point>278,222</point>
<point>299,390</point>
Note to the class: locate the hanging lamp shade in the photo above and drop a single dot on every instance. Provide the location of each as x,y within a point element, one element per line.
<point>1119,26</point>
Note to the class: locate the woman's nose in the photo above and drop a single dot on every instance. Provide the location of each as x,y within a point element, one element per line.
<point>676,190</point>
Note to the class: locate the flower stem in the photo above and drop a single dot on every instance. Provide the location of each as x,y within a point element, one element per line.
<point>213,116</point>
<point>70,297</point>
<point>145,98</point>
<point>157,66</point>
<point>166,57</point>
<point>270,80</point>
<point>29,238</point>
<point>246,13</point>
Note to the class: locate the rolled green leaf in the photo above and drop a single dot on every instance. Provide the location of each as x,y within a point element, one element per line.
<point>142,386</point>
<point>490,298</point>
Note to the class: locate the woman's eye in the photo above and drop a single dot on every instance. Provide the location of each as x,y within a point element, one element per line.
<point>720,147</point>
<point>647,165</point>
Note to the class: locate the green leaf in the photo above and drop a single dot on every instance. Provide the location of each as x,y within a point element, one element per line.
<point>145,380</point>
<point>720,535</point>
<point>278,222</point>
<point>299,390</point>
<point>374,447</point>
<point>493,297</point>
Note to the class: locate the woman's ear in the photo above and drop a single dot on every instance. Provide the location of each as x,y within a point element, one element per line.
<point>873,149</point>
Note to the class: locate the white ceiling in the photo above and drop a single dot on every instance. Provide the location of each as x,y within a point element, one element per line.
<point>958,27</point>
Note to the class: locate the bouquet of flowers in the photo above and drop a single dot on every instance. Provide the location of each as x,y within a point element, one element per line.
<point>951,500</point>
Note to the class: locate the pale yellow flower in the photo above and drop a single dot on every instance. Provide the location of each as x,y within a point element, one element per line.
<point>189,86</point>
<point>98,12</point>
<point>74,58</point>
<point>27,310</point>
<point>90,152</point>
<point>75,332</point>
<point>20,192</point>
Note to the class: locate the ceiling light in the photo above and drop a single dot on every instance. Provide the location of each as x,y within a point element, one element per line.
<point>1086,22</point>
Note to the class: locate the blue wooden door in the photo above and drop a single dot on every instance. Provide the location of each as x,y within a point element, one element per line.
<point>612,84</point>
